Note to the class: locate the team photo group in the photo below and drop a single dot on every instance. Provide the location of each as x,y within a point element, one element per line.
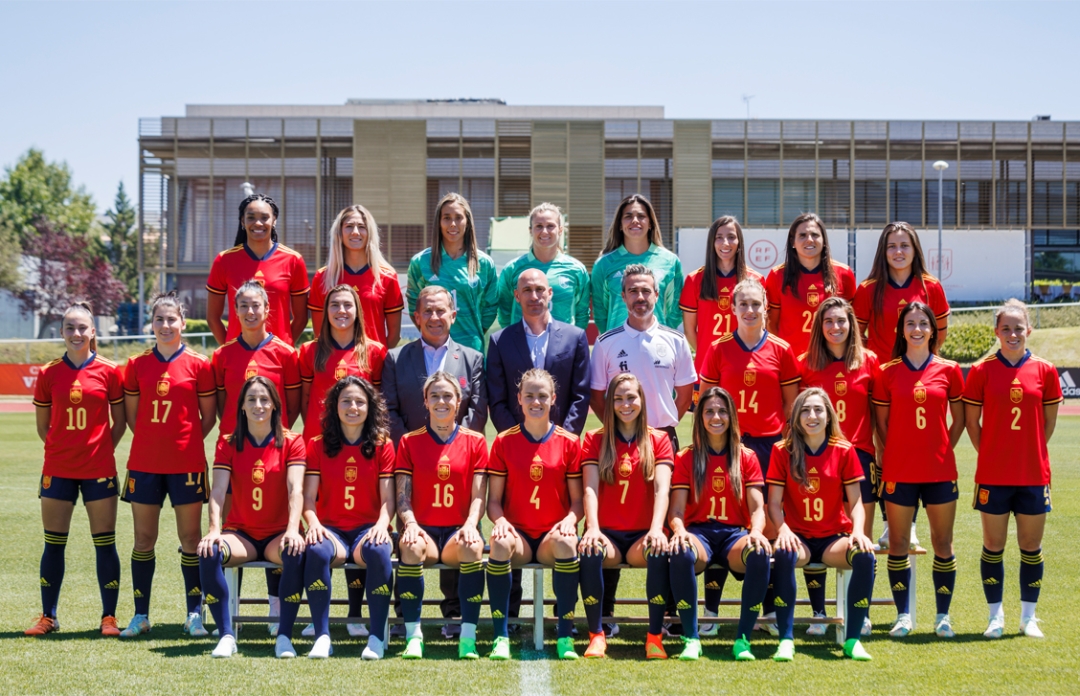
<point>816,404</point>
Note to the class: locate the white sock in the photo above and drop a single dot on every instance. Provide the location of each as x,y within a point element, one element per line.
<point>275,606</point>
<point>1027,610</point>
<point>996,612</point>
<point>412,630</point>
<point>468,631</point>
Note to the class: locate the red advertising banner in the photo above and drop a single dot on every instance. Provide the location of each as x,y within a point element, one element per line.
<point>18,380</point>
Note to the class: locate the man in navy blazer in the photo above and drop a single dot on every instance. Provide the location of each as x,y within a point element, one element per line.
<point>538,341</point>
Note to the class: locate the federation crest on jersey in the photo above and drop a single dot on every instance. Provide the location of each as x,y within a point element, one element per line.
<point>840,386</point>
<point>443,470</point>
<point>900,307</point>
<point>984,496</point>
<point>75,392</point>
<point>131,485</point>
<point>749,375</point>
<point>258,474</point>
<point>341,370</point>
<point>536,469</point>
<point>719,483</point>
<point>259,278</point>
<point>920,393</point>
<point>625,467</point>
<point>252,369</point>
<point>890,487</point>
<point>813,296</point>
<point>813,484</point>
<point>1016,392</point>
<point>46,482</point>
<point>163,385</point>
<point>723,301</point>
<point>350,474</point>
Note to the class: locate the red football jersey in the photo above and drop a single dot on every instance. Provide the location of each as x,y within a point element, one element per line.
<point>754,377</point>
<point>79,443</point>
<point>881,332</point>
<point>797,311</point>
<point>340,363</point>
<point>376,299</point>
<point>442,473</point>
<point>168,415</point>
<point>627,504</point>
<point>850,392</point>
<point>917,444</point>
<point>258,478</point>
<point>717,502</point>
<point>536,495</point>
<point>235,363</point>
<point>1012,447</point>
<point>715,318</point>
<point>282,274</point>
<point>349,483</point>
<point>816,509</point>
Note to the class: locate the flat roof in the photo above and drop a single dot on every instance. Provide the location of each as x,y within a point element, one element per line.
<point>422,108</point>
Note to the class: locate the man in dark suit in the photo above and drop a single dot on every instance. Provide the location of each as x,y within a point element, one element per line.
<point>404,372</point>
<point>538,341</point>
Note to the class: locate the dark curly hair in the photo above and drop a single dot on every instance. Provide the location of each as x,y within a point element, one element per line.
<point>241,233</point>
<point>376,428</point>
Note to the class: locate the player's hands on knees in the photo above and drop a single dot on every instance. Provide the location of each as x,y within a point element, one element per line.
<point>862,542</point>
<point>592,543</point>
<point>566,527</point>
<point>758,542</point>
<point>292,543</point>
<point>206,544</point>
<point>469,535</point>
<point>656,542</point>
<point>502,529</point>
<point>787,541</point>
<point>376,536</point>
<point>315,533</point>
<point>411,534</point>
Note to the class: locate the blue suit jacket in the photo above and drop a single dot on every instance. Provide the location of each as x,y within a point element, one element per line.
<point>567,360</point>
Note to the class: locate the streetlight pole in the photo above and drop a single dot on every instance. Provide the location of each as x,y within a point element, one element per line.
<point>940,166</point>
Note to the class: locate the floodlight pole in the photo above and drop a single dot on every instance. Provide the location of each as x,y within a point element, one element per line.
<point>940,166</point>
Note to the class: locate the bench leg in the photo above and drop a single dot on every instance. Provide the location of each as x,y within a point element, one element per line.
<point>843,577</point>
<point>538,609</point>
<point>234,595</point>
<point>913,562</point>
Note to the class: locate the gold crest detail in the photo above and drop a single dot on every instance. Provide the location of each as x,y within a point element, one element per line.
<point>749,376</point>
<point>625,467</point>
<point>341,370</point>
<point>840,387</point>
<point>131,485</point>
<point>1016,392</point>
<point>75,393</point>
<point>443,470</point>
<point>890,487</point>
<point>163,385</point>
<point>350,474</point>
<point>718,484</point>
<point>536,469</point>
<point>258,474</point>
<point>813,484</point>
<point>920,393</point>
<point>984,496</point>
<point>724,303</point>
<point>252,369</point>
<point>46,481</point>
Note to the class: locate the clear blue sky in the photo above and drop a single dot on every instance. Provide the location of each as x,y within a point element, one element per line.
<point>75,77</point>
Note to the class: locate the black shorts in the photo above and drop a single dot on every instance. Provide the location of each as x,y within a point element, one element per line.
<point>762,447</point>
<point>152,489</point>
<point>868,486</point>
<point>1019,500</point>
<point>718,540</point>
<point>349,540</point>
<point>441,535</point>
<point>60,488</point>
<point>819,545</point>
<point>622,541</point>
<point>909,494</point>
<point>259,544</point>
<point>532,542</point>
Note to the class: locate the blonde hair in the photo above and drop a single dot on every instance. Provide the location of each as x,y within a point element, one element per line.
<point>546,207</point>
<point>1012,305</point>
<point>609,444</point>
<point>84,307</point>
<point>335,260</point>
<point>750,284</point>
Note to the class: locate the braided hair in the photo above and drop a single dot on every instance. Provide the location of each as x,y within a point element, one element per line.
<point>241,232</point>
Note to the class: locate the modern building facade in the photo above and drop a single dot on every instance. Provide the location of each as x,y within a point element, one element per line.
<point>399,157</point>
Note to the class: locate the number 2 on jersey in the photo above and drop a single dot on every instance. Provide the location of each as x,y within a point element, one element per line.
<point>1016,418</point>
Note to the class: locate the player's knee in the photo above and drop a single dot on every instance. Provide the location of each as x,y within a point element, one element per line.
<point>323,552</point>
<point>861,560</point>
<point>785,560</point>
<point>565,547</point>
<point>145,541</point>
<point>682,561</point>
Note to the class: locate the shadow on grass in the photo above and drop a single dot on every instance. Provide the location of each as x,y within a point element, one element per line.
<point>56,636</point>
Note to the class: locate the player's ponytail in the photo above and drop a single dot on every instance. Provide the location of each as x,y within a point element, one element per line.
<point>733,443</point>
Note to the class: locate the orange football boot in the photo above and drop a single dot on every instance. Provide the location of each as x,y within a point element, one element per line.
<point>654,647</point>
<point>43,624</point>
<point>109,627</point>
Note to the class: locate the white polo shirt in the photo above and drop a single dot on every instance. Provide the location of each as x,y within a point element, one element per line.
<point>659,357</point>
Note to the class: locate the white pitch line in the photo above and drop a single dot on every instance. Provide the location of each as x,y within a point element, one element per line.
<point>534,672</point>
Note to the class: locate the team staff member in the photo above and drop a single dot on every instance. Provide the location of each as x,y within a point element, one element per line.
<point>454,262</point>
<point>626,467</point>
<point>634,239</point>
<point>897,278</point>
<point>257,255</point>
<point>170,400</point>
<point>813,474</point>
<point>807,277</point>
<point>348,505</point>
<point>439,476</point>
<point>355,259</point>
<point>568,277</point>
<point>262,463</point>
<point>837,363</point>
<point>1011,404</point>
<point>715,498</point>
<point>917,393</point>
<point>76,395</point>
<point>534,501</point>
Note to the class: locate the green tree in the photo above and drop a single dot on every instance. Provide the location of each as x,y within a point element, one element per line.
<point>118,242</point>
<point>35,189</point>
<point>10,252</point>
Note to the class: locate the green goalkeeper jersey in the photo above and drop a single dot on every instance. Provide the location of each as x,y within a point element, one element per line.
<point>476,297</point>
<point>569,281</point>
<point>609,310</point>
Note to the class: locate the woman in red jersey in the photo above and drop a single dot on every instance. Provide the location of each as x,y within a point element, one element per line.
<point>1011,404</point>
<point>837,363</point>
<point>813,488</point>
<point>626,467</point>
<point>348,506</point>
<point>80,418</point>
<point>355,259</point>
<point>170,401</point>
<point>257,255</point>
<point>897,278</point>
<point>262,463</point>
<point>716,498</point>
<point>439,476</point>
<point>807,277</point>
<point>914,398</point>
<point>535,502</point>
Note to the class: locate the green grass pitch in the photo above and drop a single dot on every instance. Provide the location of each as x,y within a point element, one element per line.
<point>77,660</point>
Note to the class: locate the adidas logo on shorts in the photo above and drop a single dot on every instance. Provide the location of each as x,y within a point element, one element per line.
<point>682,604</point>
<point>658,599</point>
<point>943,590</point>
<point>898,587</point>
<point>112,585</point>
<point>589,601</point>
<point>475,599</point>
<point>381,590</point>
<point>862,604</point>
<point>408,595</point>
<point>317,586</point>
